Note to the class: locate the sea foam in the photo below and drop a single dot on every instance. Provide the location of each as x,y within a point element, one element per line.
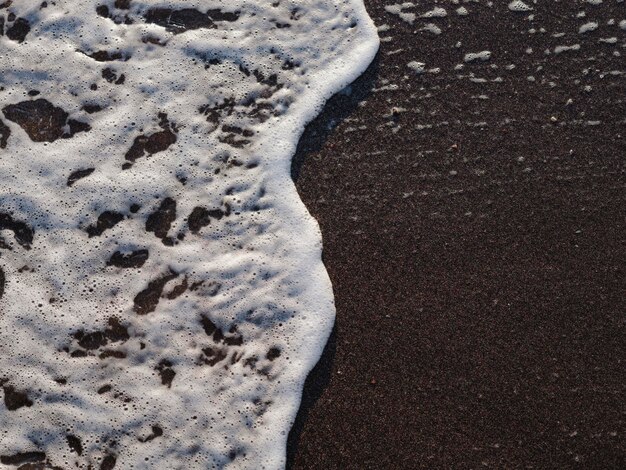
<point>162,295</point>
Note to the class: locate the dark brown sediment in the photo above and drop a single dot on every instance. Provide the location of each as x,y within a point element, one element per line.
<point>478,264</point>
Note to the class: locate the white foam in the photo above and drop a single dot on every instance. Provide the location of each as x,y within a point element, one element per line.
<point>588,27</point>
<point>431,28</point>
<point>417,67</point>
<point>519,6</point>
<point>437,12</point>
<point>561,49</point>
<point>236,301</point>
<point>473,56</point>
<point>397,9</point>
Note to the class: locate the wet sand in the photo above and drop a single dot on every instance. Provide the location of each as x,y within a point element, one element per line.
<point>475,241</point>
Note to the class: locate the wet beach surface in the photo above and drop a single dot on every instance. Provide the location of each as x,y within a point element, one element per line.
<point>473,225</point>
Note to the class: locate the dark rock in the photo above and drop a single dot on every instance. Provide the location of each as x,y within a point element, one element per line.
<point>166,372</point>
<point>179,21</point>
<point>108,463</point>
<point>178,290</point>
<point>79,174</point>
<point>153,40</point>
<point>153,143</point>
<point>273,353</point>
<point>112,353</point>
<point>90,108</point>
<point>233,141</point>
<point>116,332</point>
<point>23,233</point>
<point>159,141</point>
<point>198,218</point>
<point>213,113</point>
<point>218,336</point>
<point>234,338</point>
<point>102,10</point>
<point>14,399</point>
<point>208,326</point>
<point>77,126</point>
<point>106,220</point>
<point>109,75</point>
<point>237,130</point>
<point>23,457</point>
<point>216,213</point>
<point>147,300</point>
<point>157,431</point>
<point>201,217</point>
<point>79,353</point>
<point>214,355</point>
<point>105,56</point>
<point>5,132</point>
<point>161,220</point>
<point>19,30</point>
<point>92,340</point>
<point>135,259</point>
<point>4,245</point>
<point>75,444</point>
<point>42,121</point>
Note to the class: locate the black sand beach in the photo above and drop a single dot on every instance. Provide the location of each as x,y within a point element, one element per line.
<point>475,240</point>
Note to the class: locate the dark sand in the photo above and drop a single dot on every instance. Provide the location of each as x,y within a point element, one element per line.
<point>480,315</point>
